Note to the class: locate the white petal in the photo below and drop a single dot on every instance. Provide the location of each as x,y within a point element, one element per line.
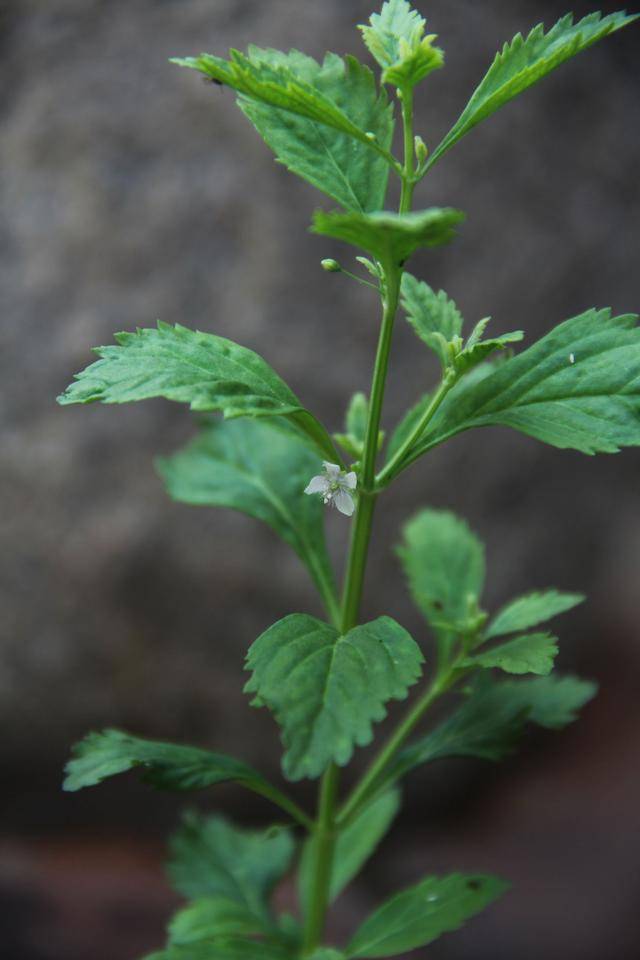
<point>350,481</point>
<point>344,502</point>
<point>317,485</point>
<point>332,469</point>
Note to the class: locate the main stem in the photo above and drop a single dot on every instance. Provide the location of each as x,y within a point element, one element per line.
<point>324,836</point>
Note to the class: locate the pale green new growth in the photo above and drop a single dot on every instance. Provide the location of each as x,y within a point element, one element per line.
<point>328,683</point>
<point>419,915</point>
<point>326,690</point>
<point>524,62</point>
<point>396,40</point>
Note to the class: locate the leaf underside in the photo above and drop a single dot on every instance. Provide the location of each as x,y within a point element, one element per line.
<point>343,168</point>
<point>261,468</point>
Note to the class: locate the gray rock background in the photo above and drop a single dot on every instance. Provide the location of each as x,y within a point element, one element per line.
<point>131,191</point>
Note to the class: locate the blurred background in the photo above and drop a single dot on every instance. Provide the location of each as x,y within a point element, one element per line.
<point>131,191</point>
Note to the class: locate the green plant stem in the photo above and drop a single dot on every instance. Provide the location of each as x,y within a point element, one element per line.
<point>325,828</point>
<point>390,469</point>
<point>281,800</point>
<point>408,171</point>
<point>361,793</point>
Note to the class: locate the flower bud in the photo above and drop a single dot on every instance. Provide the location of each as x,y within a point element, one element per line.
<point>331,266</point>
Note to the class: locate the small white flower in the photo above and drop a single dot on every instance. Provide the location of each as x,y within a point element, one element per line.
<point>335,486</point>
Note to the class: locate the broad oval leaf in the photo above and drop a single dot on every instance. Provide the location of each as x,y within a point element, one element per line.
<point>523,62</point>
<point>444,564</point>
<point>576,388</point>
<point>530,610</point>
<point>326,689</point>
<point>347,170</point>
<point>390,237</point>
<point>422,913</point>
<point>530,653</point>
<point>168,766</point>
<point>201,369</point>
<point>260,468</point>
<point>210,857</point>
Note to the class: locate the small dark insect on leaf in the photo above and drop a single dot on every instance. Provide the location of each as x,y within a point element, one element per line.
<point>218,83</point>
<point>474,884</point>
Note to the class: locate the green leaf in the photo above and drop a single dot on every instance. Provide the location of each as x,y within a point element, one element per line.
<point>530,653</point>
<point>396,40</point>
<point>578,388</point>
<point>530,610</point>
<point>327,953</point>
<point>224,948</point>
<point>422,913</point>
<point>326,690</point>
<point>201,369</point>
<point>261,469</point>
<point>212,858</point>
<point>347,170</point>
<point>354,846</point>
<point>491,720</point>
<point>444,564</point>
<point>168,766</point>
<point>522,63</point>
<point>390,237</point>
<point>434,317</point>
<point>407,425</point>
<point>477,351</point>
<point>212,917</point>
<point>268,78</point>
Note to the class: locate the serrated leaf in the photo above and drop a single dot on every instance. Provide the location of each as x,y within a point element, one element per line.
<point>491,719</point>
<point>209,857</point>
<point>343,168</point>
<point>224,948</point>
<point>261,469</point>
<point>396,21</point>
<point>390,237</point>
<point>530,610</point>
<point>211,917</point>
<point>395,38</point>
<point>475,353</point>
<point>407,425</point>
<point>355,844</point>
<point>444,565</point>
<point>325,690</point>
<point>530,653</point>
<point>277,85</point>
<point>422,913</point>
<point>522,63</point>
<point>434,317</point>
<point>168,766</point>
<point>201,369</point>
<point>591,404</point>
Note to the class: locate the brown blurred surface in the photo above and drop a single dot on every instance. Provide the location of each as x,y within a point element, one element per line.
<point>130,191</point>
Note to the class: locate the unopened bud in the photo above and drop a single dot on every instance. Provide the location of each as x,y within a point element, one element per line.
<point>371,136</point>
<point>421,149</point>
<point>331,266</point>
